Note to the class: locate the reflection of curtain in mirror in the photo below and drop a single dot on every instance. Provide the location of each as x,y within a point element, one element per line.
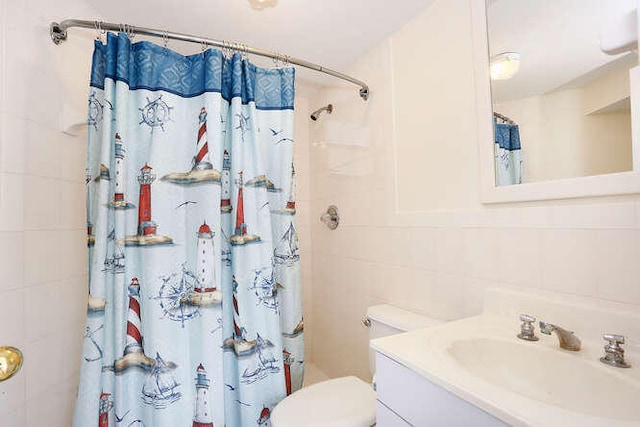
<point>508,158</point>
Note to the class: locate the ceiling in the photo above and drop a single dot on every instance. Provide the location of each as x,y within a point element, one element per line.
<point>558,41</point>
<point>331,33</point>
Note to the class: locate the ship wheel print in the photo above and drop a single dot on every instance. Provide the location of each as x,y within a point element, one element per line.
<point>174,293</point>
<point>156,113</point>
<point>96,110</point>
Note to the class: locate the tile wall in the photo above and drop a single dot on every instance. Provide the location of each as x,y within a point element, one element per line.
<point>438,261</point>
<point>43,280</point>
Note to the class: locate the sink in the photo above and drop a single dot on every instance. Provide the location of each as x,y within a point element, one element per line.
<point>549,375</point>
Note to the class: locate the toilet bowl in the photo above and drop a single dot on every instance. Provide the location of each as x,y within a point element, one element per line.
<point>347,401</point>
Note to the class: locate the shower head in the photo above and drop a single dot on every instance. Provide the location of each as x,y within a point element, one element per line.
<point>316,114</point>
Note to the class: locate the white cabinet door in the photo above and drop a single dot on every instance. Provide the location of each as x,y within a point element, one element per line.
<point>422,403</point>
<point>387,418</point>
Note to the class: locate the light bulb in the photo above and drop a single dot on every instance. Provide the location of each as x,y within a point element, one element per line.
<point>504,66</point>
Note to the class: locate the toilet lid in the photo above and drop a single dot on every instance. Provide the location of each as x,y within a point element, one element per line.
<point>342,402</point>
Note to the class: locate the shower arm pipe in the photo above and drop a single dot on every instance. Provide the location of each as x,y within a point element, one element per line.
<point>58,33</point>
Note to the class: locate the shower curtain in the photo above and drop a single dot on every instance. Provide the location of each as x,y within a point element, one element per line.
<point>508,157</point>
<point>194,312</point>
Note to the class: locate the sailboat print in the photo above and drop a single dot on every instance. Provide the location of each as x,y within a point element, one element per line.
<point>286,251</point>
<point>267,363</point>
<point>225,251</point>
<point>114,259</point>
<point>160,387</point>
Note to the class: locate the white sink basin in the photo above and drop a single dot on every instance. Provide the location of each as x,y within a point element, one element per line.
<point>552,376</point>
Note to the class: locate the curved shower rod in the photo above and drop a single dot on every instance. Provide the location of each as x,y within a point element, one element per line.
<point>58,33</point>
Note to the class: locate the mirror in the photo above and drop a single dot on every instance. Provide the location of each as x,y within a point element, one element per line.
<point>565,113</point>
<point>562,124</point>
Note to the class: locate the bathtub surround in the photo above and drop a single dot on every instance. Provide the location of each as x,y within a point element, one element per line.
<point>403,170</point>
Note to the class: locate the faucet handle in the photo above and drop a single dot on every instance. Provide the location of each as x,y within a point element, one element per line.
<point>613,339</point>
<point>613,353</point>
<point>527,319</point>
<point>527,329</point>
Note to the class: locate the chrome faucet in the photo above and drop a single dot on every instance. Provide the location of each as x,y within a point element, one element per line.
<point>567,339</point>
<point>527,330</point>
<point>613,353</point>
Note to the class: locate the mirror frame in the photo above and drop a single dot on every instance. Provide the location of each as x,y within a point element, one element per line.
<point>588,186</point>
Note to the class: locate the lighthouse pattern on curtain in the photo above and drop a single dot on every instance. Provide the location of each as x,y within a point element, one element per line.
<point>194,314</point>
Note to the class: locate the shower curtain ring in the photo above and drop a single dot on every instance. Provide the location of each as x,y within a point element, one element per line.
<point>165,38</point>
<point>132,32</point>
<point>223,48</point>
<point>96,25</point>
<point>203,47</point>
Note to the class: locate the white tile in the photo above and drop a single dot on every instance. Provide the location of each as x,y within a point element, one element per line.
<point>12,313</point>
<point>533,216</point>
<point>12,393</point>
<point>421,245</point>
<point>43,309</point>
<point>420,292</point>
<point>16,418</point>
<point>568,260</point>
<point>445,303</point>
<point>73,154</point>
<point>73,296</point>
<point>519,256</point>
<point>13,137</point>
<point>15,88</point>
<point>72,340</point>
<point>48,408</point>
<point>12,264</point>
<point>313,374</point>
<point>41,257</point>
<point>617,265</point>
<point>41,203</point>
<point>73,205</point>
<point>472,297</point>
<point>11,202</point>
<point>43,148</point>
<point>448,250</point>
<point>480,251</point>
<point>44,369</point>
<point>610,215</point>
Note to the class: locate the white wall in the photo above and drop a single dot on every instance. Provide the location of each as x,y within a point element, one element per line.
<point>570,133</point>
<point>304,91</point>
<point>43,280</point>
<point>436,254</point>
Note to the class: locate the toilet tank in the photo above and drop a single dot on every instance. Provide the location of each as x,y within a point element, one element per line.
<point>385,320</point>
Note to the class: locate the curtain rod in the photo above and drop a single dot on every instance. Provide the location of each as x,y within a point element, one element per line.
<point>58,32</point>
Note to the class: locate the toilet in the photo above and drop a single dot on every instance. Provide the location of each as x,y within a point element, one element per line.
<point>347,401</point>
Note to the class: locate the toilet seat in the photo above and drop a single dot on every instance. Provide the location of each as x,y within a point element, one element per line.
<point>342,402</point>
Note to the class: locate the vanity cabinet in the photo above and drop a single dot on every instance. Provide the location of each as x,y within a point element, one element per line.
<point>406,399</point>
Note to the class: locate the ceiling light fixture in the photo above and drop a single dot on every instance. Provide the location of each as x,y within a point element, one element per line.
<point>262,4</point>
<point>504,65</point>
